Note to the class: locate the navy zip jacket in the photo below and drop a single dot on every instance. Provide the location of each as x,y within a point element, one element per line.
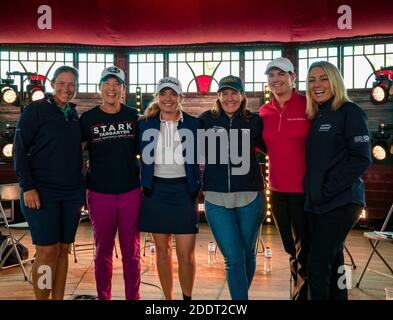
<point>47,151</point>
<point>338,152</point>
<point>230,174</point>
<point>191,169</point>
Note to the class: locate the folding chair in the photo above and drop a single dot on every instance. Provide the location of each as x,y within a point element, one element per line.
<point>75,246</point>
<point>374,239</point>
<point>353,265</point>
<point>92,246</point>
<point>11,192</point>
<point>147,238</point>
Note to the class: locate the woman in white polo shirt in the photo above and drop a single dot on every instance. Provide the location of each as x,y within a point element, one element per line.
<point>171,183</point>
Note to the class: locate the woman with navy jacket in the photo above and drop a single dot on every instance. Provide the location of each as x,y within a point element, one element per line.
<point>232,182</point>
<point>171,182</point>
<point>337,154</point>
<point>48,162</point>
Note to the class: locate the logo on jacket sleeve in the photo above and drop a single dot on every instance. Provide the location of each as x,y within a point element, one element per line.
<point>361,139</point>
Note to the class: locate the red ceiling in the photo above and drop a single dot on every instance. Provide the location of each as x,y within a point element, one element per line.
<point>170,22</point>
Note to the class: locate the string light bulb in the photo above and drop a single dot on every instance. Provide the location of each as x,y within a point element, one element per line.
<point>266,94</point>
<point>138,97</point>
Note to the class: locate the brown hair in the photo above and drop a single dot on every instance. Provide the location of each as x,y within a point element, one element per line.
<point>244,111</point>
<point>65,69</point>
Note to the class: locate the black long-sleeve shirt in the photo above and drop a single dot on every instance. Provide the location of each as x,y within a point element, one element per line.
<point>338,153</point>
<point>47,151</point>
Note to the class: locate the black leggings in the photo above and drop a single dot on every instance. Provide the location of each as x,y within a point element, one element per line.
<point>292,224</point>
<point>326,256</point>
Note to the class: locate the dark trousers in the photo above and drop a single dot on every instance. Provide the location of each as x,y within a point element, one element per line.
<point>292,224</point>
<point>326,257</point>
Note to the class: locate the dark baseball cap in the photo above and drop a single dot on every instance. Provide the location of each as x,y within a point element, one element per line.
<point>231,82</point>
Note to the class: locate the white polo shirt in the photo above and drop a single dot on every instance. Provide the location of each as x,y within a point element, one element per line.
<point>168,157</point>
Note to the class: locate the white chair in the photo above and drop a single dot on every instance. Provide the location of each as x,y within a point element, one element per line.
<point>11,193</point>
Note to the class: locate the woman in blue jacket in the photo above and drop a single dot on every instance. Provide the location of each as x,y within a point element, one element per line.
<point>337,154</point>
<point>171,183</point>
<point>233,183</point>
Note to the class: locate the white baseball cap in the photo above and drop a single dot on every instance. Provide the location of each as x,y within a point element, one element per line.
<point>113,71</point>
<point>169,82</point>
<point>281,63</point>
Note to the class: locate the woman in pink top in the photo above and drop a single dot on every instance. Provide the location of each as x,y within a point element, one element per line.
<point>285,132</point>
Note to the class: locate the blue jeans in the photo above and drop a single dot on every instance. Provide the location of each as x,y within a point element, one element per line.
<point>236,232</point>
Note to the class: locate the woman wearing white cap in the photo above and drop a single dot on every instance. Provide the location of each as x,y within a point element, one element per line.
<point>114,193</point>
<point>171,183</point>
<point>285,132</point>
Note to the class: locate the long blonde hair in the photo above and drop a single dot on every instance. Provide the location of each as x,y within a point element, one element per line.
<point>153,109</point>
<point>244,111</point>
<point>336,82</point>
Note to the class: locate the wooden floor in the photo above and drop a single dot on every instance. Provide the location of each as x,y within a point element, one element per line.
<point>210,281</point>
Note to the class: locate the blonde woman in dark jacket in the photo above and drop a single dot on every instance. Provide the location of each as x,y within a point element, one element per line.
<point>337,154</point>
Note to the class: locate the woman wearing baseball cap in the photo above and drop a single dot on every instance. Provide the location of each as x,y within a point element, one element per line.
<point>285,132</point>
<point>234,201</point>
<point>114,195</point>
<point>171,183</point>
